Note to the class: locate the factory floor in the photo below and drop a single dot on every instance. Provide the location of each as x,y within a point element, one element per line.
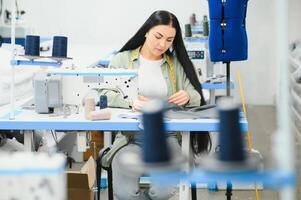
<point>262,124</point>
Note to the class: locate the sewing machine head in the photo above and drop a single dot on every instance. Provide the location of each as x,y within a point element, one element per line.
<point>77,84</point>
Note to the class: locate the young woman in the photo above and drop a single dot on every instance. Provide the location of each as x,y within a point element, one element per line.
<point>164,71</point>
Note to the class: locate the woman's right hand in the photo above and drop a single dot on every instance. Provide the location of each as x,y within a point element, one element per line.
<point>138,103</point>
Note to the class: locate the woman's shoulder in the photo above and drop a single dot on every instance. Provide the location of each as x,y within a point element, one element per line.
<point>123,54</point>
<point>120,60</point>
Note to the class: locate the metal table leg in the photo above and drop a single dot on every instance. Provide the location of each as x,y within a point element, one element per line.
<point>28,140</point>
<point>186,150</point>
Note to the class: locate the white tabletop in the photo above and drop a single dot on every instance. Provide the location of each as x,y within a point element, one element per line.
<point>29,120</point>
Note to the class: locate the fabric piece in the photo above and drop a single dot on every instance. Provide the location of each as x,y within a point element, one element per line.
<point>210,113</point>
<point>23,79</point>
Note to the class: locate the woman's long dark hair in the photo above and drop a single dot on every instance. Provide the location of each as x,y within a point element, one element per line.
<point>199,141</point>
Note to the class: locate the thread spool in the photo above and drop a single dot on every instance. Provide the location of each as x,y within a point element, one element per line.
<point>102,114</point>
<point>188,32</point>
<point>32,45</point>
<point>154,139</point>
<point>230,136</point>
<point>59,48</point>
<point>89,106</point>
<point>205,26</point>
<point>192,19</point>
<point>103,101</point>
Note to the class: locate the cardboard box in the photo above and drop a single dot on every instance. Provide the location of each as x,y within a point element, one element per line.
<point>81,182</point>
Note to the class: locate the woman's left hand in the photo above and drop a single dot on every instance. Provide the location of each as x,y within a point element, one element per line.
<point>180,98</point>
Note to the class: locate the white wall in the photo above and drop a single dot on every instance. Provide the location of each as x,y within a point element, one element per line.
<point>294,20</point>
<point>259,71</point>
<point>101,22</point>
<point>113,22</point>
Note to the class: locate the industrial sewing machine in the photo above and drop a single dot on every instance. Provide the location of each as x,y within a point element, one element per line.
<point>198,53</point>
<point>57,87</point>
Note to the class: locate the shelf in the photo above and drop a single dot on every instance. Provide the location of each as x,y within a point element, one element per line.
<point>196,39</point>
<point>36,63</point>
<point>273,179</point>
<point>216,86</point>
<point>93,72</point>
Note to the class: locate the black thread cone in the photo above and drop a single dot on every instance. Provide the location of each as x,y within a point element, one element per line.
<point>32,45</point>
<point>59,48</point>
<point>154,139</point>
<point>230,136</point>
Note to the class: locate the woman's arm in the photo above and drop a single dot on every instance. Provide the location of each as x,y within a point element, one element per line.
<point>183,83</point>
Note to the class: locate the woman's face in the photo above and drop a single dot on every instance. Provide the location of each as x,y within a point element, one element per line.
<point>159,39</point>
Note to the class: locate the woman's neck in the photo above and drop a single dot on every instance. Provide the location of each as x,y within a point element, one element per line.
<point>147,54</point>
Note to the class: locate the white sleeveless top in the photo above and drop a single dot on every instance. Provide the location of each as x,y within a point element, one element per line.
<point>151,82</point>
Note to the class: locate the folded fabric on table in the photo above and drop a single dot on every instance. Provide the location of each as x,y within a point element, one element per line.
<point>210,113</point>
<point>23,79</point>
